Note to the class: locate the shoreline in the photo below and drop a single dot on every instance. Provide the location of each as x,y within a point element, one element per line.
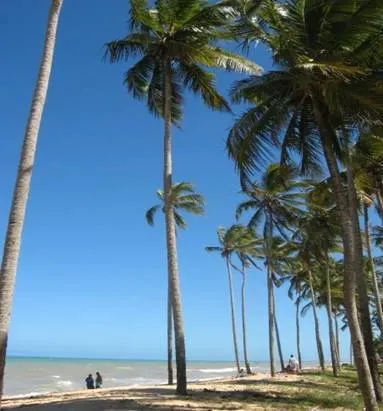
<point>308,390</point>
<point>33,395</point>
<point>141,395</point>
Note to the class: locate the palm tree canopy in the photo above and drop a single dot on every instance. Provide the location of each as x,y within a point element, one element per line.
<point>274,200</point>
<point>237,239</point>
<point>183,198</point>
<point>328,57</point>
<point>367,163</point>
<point>185,34</point>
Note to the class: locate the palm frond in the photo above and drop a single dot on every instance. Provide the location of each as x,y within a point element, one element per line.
<point>150,214</point>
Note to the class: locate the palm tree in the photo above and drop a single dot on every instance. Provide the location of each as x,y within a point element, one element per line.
<point>183,198</point>
<point>298,283</point>
<point>366,163</point>
<point>244,259</point>
<point>236,240</point>
<point>328,78</point>
<point>322,228</point>
<point>174,42</point>
<point>22,187</point>
<point>302,247</point>
<point>275,202</point>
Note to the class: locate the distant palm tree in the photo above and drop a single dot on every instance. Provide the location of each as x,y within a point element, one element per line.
<point>296,287</point>
<point>240,241</point>
<point>183,198</point>
<point>303,250</point>
<point>12,242</point>
<point>275,202</point>
<point>175,41</point>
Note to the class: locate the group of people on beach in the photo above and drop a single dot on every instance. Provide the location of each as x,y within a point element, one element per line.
<point>91,383</point>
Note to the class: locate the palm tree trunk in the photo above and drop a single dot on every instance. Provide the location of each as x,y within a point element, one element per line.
<point>334,361</point>
<point>316,323</point>
<point>365,380</point>
<point>337,340</point>
<point>12,242</point>
<point>244,334</point>
<point>279,345</point>
<point>233,326</point>
<point>297,304</point>
<point>271,319</point>
<point>364,302</point>
<point>270,298</point>
<point>170,338</point>
<point>378,302</point>
<point>379,200</point>
<point>171,240</point>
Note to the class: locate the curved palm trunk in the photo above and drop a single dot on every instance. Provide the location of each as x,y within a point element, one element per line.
<point>171,241</point>
<point>170,338</point>
<point>244,333</point>
<point>364,301</point>
<point>334,361</point>
<point>349,287</point>
<point>233,326</point>
<point>21,192</point>
<point>297,304</point>
<point>271,319</point>
<point>279,345</point>
<point>378,302</point>
<point>316,323</point>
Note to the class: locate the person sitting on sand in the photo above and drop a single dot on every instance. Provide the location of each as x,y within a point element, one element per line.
<point>293,365</point>
<point>89,382</point>
<point>98,380</point>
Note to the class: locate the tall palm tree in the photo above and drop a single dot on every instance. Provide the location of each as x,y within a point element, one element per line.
<point>321,226</point>
<point>367,167</point>
<point>174,42</point>
<point>183,198</point>
<point>303,249</point>
<point>274,201</point>
<point>23,181</point>
<point>328,78</point>
<point>240,241</point>
<point>297,281</point>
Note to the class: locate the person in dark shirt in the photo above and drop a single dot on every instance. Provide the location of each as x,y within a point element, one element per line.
<point>89,382</point>
<point>98,380</point>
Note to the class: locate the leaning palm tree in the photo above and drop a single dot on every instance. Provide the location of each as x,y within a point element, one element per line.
<point>174,42</point>
<point>23,181</point>
<point>236,240</point>
<point>183,198</point>
<point>274,201</point>
<point>328,78</point>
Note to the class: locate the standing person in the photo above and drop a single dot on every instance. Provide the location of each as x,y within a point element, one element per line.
<point>89,382</point>
<point>98,380</point>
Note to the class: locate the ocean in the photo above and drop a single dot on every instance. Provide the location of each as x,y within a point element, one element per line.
<point>27,376</point>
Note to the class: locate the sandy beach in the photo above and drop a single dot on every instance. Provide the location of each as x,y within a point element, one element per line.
<point>227,394</point>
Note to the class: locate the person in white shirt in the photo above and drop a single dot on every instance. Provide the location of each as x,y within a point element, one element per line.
<point>293,365</point>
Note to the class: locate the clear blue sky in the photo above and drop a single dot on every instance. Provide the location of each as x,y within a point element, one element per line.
<point>92,275</point>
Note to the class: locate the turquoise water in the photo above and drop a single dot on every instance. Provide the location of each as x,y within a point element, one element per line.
<point>36,375</point>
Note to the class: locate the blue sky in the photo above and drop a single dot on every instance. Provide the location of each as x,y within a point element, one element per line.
<point>92,275</point>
